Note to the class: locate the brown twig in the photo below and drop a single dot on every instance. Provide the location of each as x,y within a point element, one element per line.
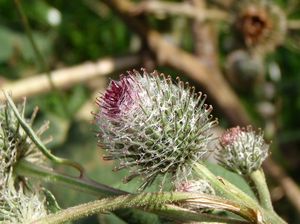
<point>67,77</point>
<point>205,38</point>
<point>182,9</point>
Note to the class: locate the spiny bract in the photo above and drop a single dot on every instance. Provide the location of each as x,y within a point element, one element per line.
<point>18,206</point>
<point>15,144</point>
<point>154,126</point>
<point>242,150</point>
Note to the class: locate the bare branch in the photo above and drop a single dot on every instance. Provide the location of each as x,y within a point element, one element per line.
<point>184,9</point>
<point>67,77</point>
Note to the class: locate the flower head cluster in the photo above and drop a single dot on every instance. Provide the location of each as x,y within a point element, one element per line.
<point>153,126</point>
<point>242,150</point>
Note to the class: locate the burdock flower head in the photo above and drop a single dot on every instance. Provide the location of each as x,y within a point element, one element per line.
<point>15,144</point>
<point>153,126</point>
<point>242,150</point>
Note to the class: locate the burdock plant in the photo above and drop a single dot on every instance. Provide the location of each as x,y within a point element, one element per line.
<point>154,127</point>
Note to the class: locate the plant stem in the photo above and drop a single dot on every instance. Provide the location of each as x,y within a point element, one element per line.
<point>39,57</point>
<point>260,184</point>
<point>28,169</point>
<point>149,201</point>
<point>86,185</point>
<point>259,181</point>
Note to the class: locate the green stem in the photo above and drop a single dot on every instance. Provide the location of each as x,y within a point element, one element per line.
<point>35,139</point>
<point>150,201</point>
<point>28,169</point>
<point>40,59</point>
<point>259,181</point>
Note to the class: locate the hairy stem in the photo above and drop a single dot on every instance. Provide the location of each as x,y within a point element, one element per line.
<point>259,181</point>
<point>28,169</point>
<point>150,201</point>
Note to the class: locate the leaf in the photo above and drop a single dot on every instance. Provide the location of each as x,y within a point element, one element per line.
<point>233,178</point>
<point>52,204</point>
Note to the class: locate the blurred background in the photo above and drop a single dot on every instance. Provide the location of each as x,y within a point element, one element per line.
<point>244,54</point>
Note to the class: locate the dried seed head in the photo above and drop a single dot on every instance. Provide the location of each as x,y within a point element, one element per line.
<point>242,150</point>
<point>153,126</point>
<point>262,24</point>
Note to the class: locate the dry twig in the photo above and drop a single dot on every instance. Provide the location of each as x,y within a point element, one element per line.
<point>182,9</point>
<point>68,77</point>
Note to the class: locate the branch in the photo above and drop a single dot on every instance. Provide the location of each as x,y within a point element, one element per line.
<point>205,39</point>
<point>159,202</point>
<point>181,9</point>
<point>67,77</point>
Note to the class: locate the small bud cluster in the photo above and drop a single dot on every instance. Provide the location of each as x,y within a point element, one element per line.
<point>154,126</point>
<point>195,186</point>
<point>242,150</point>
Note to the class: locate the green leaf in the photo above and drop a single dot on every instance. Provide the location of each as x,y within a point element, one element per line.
<point>52,204</point>
<point>233,178</point>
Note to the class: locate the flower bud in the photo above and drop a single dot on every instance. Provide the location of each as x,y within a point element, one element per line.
<point>242,150</point>
<point>244,70</point>
<point>153,126</point>
<point>195,186</point>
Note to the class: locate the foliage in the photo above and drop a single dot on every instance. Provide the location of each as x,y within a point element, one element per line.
<point>272,99</point>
